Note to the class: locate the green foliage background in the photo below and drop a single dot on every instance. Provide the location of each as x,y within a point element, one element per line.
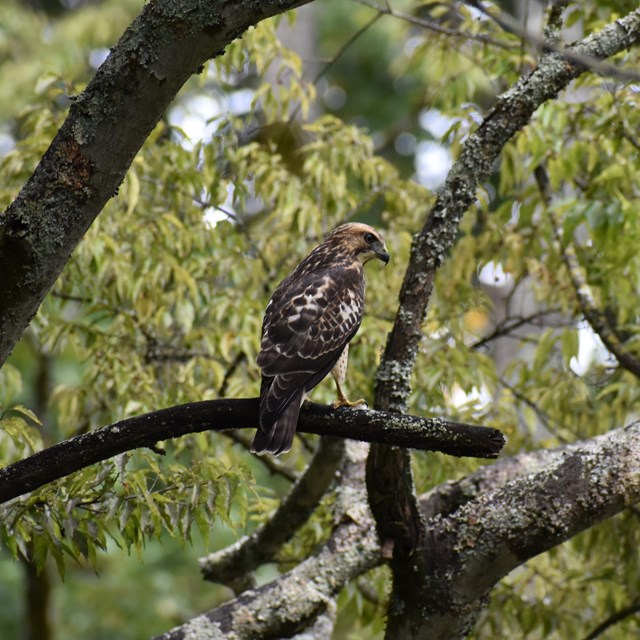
<point>160,306</point>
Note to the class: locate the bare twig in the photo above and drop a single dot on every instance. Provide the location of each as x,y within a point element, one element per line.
<point>544,418</point>
<point>345,47</point>
<point>510,324</point>
<point>613,619</point>
<point>433,26</point>
<point>240,357</point>
<point>272,463</point>
<point>590,62</point>
<point>584,295</point>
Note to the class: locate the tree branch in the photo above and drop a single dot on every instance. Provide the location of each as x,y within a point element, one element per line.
<point>107,124</point>
<point>448,497</point>
<point>511,323</point>
<point>590,62</point>
<point>479,543</point>
<point>613,619</point>
<point>586,302</point>
<point>389,472</point>
<point>83,450</point>
<point>506,514</point>
<point>433,26</point>
<point>232,566</point>
<point>511,112</point>
<point>290,603</point>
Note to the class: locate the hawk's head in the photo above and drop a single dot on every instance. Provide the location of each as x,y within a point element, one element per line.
<point>360,241</point>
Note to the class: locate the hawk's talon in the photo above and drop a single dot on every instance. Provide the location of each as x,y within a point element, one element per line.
<point>344,402</point>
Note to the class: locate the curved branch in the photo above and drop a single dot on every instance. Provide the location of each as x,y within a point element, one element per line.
<point>613,619</point>
<point>489,536</point>
<point>389,473</point>
<point>232,566</point>
<point>290,603</point>
<point>586,302</point>
<point>107,124</point>
<point>86,449</point>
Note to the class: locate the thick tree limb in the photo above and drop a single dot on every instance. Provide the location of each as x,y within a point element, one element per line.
<point>389,474</point>
<point>290,603</point>
<point>233,566</point>
<point>449,496</point>
<point>489,536</point>
<point>516,509</point>
<point>106,126</point>
<point>76,453</point>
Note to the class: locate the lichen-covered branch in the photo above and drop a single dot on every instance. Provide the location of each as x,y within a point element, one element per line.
<point>81,451</point>
<point>480,542</point>
<point>450,496</point>
<point>511,112</point>
<point>389,474</point>
<point>597,320</point>
<point>234,565</point>
<point>292,602</point>
<point>107,124</point>
<point>512,511</point>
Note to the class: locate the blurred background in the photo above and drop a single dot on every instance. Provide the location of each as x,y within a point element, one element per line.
<point>344,111</point>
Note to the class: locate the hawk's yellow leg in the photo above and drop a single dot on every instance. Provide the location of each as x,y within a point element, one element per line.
<point>339,373</point>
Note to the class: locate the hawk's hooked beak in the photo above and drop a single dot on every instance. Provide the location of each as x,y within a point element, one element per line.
<point>382,254</point>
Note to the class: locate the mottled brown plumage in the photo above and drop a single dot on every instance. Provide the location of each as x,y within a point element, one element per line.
<point>308,323</point>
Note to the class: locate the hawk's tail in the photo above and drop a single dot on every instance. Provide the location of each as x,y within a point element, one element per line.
<point>279,436</point>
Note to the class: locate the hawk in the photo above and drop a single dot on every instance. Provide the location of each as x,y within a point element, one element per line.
<point>308,324</point>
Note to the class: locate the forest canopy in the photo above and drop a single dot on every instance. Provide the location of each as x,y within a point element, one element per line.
<point>493,144</point>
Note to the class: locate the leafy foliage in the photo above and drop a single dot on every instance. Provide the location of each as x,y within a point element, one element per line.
<point>162,302</point>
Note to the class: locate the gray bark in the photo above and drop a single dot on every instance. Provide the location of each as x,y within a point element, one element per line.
<point>390,482</point>
<point>476,533</point>
<point>304,595</point>
<point>107,124</point>
<point>499,530</point>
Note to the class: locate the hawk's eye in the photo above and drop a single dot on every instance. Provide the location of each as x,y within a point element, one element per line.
<point>369,238</point>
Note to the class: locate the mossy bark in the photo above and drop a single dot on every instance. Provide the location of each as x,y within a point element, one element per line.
<point>391,491</point>
<point>107,124</point>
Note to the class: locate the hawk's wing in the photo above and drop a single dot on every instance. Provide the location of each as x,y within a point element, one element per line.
<point>307,324</point>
